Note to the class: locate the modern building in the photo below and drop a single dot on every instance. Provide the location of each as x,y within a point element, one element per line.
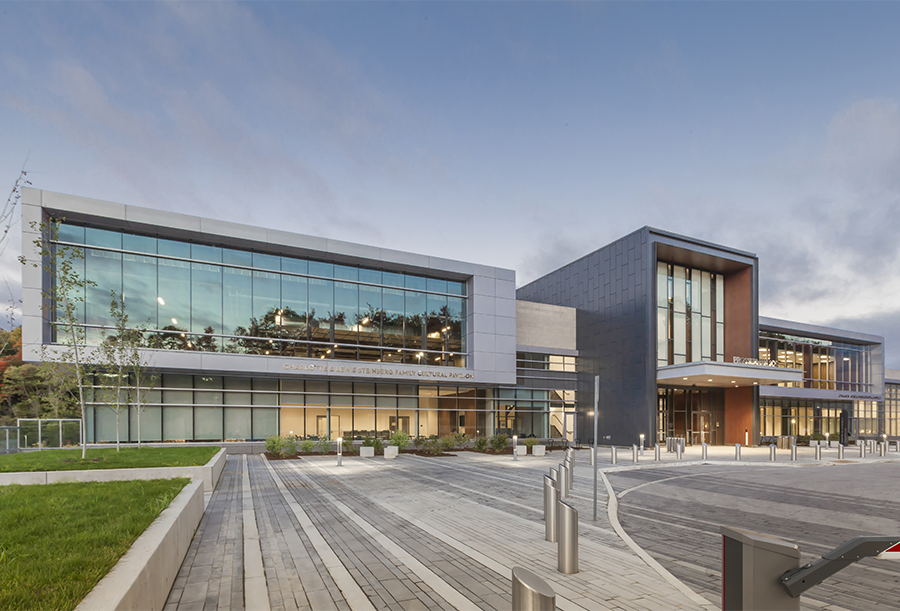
<point>252,332</point>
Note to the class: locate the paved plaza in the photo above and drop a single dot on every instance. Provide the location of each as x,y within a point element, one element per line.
<point>445,532</point>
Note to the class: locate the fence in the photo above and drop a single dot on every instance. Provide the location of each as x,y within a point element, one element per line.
<point>48,433</point>
<point>9,439</point>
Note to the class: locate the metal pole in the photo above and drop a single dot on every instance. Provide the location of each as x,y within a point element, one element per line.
<point>772,452</point>
<point>612,455</point>
<point>596,433</point>
<point>793,453</point>
<point>818,452</point>
<point>703,449</point>
<point>567,546</point>
<point>59,422</point>
<point>340,450</point>
<point>530,592</point>
<point>551,498</point>
<point>840,451</point>
<point>39,434</point>
<point>634,453</point>
<point>656,452</point>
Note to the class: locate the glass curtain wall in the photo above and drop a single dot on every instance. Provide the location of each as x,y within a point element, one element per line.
<point>892,409</point>
<point>212,408</point>
<point>801,418</point>
<point>826,365</point>
<point>690,315</point>
<point>211,299</point>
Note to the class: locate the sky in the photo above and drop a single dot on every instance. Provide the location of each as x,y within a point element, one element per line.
<point>519,135</point>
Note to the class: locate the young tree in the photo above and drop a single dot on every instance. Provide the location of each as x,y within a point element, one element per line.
<point>64,298</point>
<point>128,360</point>
<point>114,358</point>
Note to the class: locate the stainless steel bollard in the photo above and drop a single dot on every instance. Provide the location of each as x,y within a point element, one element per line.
<point>840,451</point>
<point>882,449</point>
<point>563,482</point>
<point>551,498</point>
<point>612,455</point>
<point>818,452</point>
<point>862,449</point>
<point>678,450</point>
<point>703,450</point>
<point>515,452</point>
<point>567,546</point>
<point>772,452</point>
<point>593,456</point>
<point>656,452</point>
<point>570,465</point>
<point>737,451</point>
<point>634,453</point>
<point>530,592</point>
<point>793,453</point>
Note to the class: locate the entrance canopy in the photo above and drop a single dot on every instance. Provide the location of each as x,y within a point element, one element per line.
<point>725,375</point>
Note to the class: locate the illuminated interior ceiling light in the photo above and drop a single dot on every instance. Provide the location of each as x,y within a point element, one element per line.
<point>756,383</point>
<point>174,321</point>
<point>846,358</point>
<point>710,380</point>
<point>733,382</point>
<point>271,341</point>
<point>684,378</point>
<point>322,357</point>
<point>437,358</point>
<point>328,352</point>
<point>335,345</point>
<point>182,335</point>
<point>189,345</point>
<point>365,320</point>
<point>161,301</point>
<point>267,352</point>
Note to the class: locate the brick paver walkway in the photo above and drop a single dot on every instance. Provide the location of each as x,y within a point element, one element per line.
<point>444,533</point>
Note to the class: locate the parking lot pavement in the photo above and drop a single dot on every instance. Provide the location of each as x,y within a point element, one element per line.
<point>675,514</point>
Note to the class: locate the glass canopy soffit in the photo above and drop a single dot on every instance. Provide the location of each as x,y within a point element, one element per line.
<point>725,375</point>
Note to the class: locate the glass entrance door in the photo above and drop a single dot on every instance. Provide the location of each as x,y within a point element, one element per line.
<point>696,415</point>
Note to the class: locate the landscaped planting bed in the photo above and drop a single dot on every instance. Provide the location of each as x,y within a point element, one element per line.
<point>107,458</point>
<point>57,541</point>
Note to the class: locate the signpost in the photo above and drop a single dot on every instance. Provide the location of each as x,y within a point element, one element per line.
<point>594,449</point>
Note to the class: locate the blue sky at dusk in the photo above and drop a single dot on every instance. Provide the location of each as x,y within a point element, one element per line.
<point>521,135</point>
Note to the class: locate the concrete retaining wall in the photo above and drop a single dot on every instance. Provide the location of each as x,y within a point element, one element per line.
<point>209,473</point>
<point>144,576</point>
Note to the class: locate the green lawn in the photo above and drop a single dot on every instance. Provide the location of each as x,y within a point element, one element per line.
<point>57,541</point>
<point>106,458</point>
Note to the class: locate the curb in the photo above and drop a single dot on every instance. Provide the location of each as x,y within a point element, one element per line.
<point>208,473</point>
<point>143,577</point>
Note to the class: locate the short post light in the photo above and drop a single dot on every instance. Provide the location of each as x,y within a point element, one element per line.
<point>340,450</point>
<point>642,444</point>
<point>515,447</point>
<point>828,439</point>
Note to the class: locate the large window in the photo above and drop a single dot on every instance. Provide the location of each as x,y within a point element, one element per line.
<point>205,298</point>
<point>690,315</point>
<point>208,407</point>
<point>826,365</point>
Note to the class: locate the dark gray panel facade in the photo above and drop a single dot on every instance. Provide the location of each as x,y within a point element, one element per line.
<point>613,289</point>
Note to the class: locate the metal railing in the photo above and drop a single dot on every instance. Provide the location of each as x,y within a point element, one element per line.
<point>44,433</point>
<point>9,439</point>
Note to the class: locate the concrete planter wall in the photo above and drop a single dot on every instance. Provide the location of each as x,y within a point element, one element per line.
<point>144,576</point>
<point>208,473</point>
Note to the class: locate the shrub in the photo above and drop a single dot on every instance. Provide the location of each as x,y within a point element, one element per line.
<point>289,447</point>
<point>460,440</point>
<point>481,444</point>
<point>274,444</point>
<point>378,445</point>
<point>348,446</point>
<point>530,442</point>
<point>446,443</point>
<point>324,445</point>
<point>400,439</point>
<point>432,446</point>
<point>499,442</point>
<point>418,442</point>
<point>368,442</point>
<point>307,446</point>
